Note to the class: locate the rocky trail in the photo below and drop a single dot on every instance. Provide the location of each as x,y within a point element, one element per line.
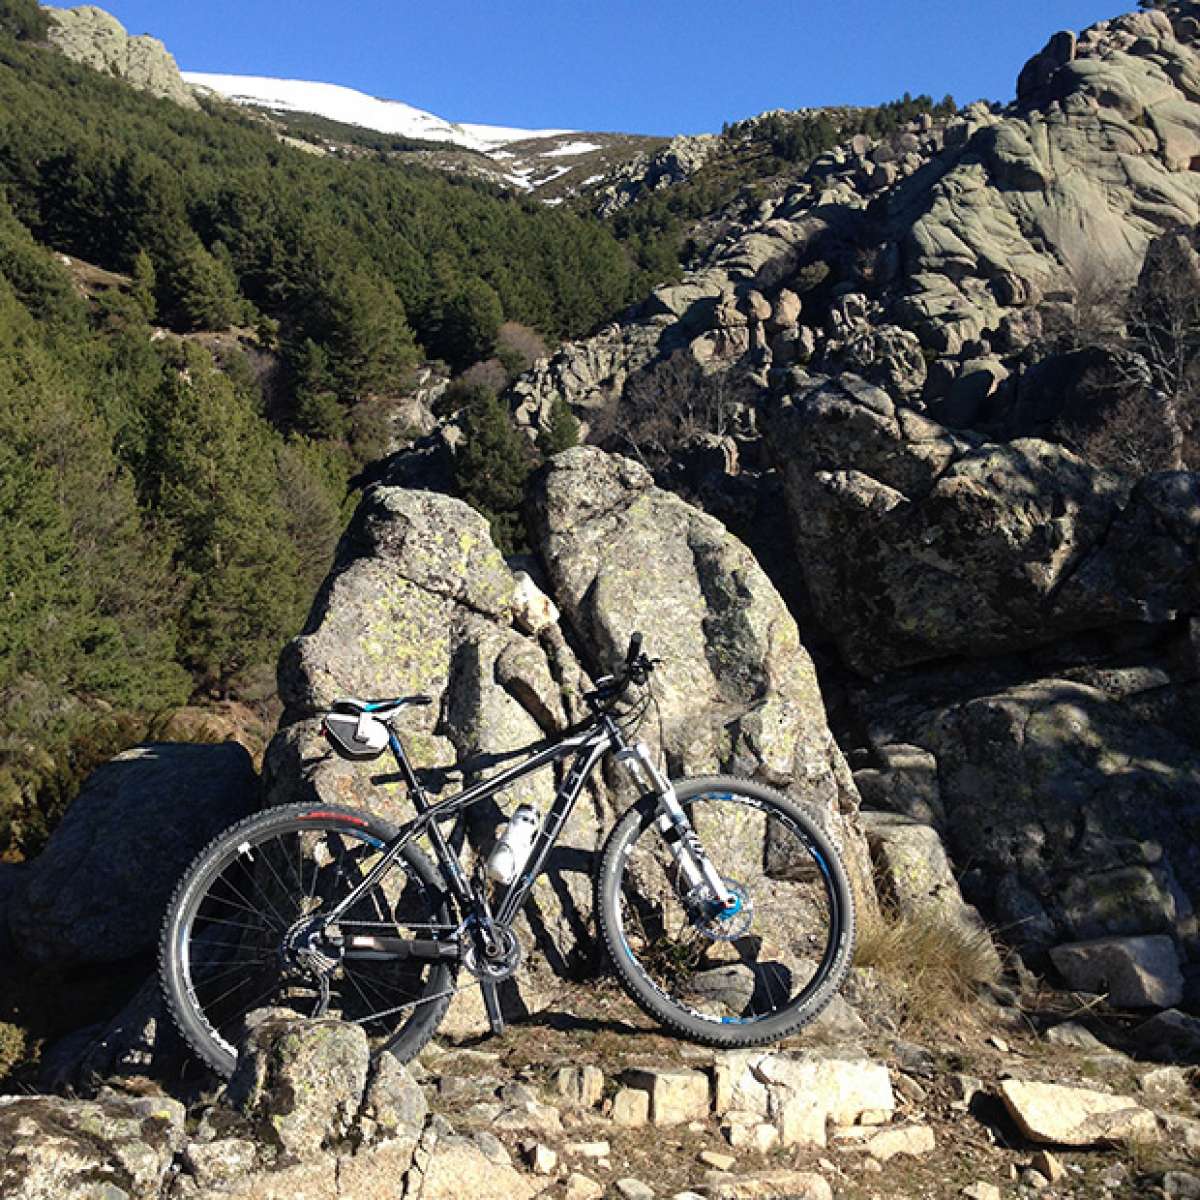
<point>587,1101</point>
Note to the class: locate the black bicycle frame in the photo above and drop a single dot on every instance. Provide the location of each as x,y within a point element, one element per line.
<point>587,746</point>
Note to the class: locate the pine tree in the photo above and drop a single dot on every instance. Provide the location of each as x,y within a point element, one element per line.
<point>144,283</point>
<point>563,430</point>
<point>24,20</point>
<point>218,491</point>
<point>491,467</point>
<point>197,290</point>
<point>469,321</point>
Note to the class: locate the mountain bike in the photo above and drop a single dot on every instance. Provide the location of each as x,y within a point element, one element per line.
<point>722,904</point>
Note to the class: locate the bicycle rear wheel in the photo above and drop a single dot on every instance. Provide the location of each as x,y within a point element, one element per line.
<point>242,932</point>
<point>743,978</point>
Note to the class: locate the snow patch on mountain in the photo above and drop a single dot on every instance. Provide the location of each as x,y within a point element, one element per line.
<point>571,149</point>
<point>352,107</point>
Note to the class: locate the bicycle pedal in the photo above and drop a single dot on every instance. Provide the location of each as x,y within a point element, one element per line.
<point>491,1004</point>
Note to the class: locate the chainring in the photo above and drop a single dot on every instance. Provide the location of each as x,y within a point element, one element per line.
<point>498,967</point>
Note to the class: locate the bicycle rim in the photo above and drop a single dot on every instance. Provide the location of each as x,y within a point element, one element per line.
<point>750,971</point>
<point>240,941</point>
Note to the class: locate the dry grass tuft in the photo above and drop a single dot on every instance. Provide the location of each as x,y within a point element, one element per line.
<point>932,969</point>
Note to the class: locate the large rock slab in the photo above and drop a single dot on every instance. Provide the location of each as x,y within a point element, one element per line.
<point>116,1146</point>
<point>1135,972</point>
<point>737,689</point>
<point>420,600</point>
<point>1071,1116</point>
<point>97,893</point>
<point>1077,814</point>
<point>918,544</point>
<point>301,1082</point>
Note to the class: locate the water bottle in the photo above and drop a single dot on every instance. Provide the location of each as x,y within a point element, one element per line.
<point>511,851</point>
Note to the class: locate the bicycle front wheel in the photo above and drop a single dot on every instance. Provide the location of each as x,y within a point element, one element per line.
<point>740,978</point>
<point>243,932</point>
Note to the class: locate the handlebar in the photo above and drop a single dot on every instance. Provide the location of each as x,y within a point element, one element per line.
<point>610,689</point>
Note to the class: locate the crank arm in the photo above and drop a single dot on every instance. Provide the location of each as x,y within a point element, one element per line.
<point>389,949</point>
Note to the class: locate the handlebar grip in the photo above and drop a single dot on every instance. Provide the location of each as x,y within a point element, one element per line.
<point>635,649</point>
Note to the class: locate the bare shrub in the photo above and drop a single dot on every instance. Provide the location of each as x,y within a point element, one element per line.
<point>932,969</point>
<point>1096,310</point>
<point>489,375</point>
<point>518,347</point>
<point>1140,411</point>
<point>668,405</point>
<point>1138,434</point>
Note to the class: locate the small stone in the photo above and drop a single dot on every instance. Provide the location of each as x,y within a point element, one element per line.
<point>1136,972</point>
<point>696,1127</point>
<point>1070,1116</point>
<point>999,1043</point>
<point>1165,1082</point>
<point>631,1108</point>
<point>530,1116</point>
<point>588,1149</point>
<point>581,1085</point>
<point>634,1189</point>
<point>981,1191</point>
<point>717,1160</point>
<point>910,1089</point>
<point>874,1116</point>
<point>687,1196</point>
<point>766,1138</point>
<point>533,610</point>
<point>872,1166</point>
<point>1180,1185</point>
<point>1046,1164</point>
<point>580,1187</point>
<point>542,1160</point>
<point>1074,1035</point>
<point>676,1097</point>
<point>1034,1180</point>
<point>964,1088</point>
<point>912,1140</point>
<point>768,1185</point>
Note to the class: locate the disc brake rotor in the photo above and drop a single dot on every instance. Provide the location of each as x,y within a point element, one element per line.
<point>721,925</point>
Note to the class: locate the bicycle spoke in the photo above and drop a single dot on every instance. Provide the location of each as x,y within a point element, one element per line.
<point>685,946</point>
<point>254,934</point>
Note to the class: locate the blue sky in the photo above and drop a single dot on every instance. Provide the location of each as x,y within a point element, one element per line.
<point>637,66</point>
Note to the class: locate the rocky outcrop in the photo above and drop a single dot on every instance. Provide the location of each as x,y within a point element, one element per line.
<point>918,543</point>
<point>1073,802</point>
<point>956,239</point>
<point>115,1146</point>
<point>96,894</point>
<point>421,601</point>
<point>98,40</point>
<point>673,163</point>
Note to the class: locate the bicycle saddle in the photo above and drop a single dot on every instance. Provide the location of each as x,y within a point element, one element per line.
<point>382,710</point>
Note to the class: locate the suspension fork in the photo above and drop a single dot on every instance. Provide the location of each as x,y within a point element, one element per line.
<point>673,823</point>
